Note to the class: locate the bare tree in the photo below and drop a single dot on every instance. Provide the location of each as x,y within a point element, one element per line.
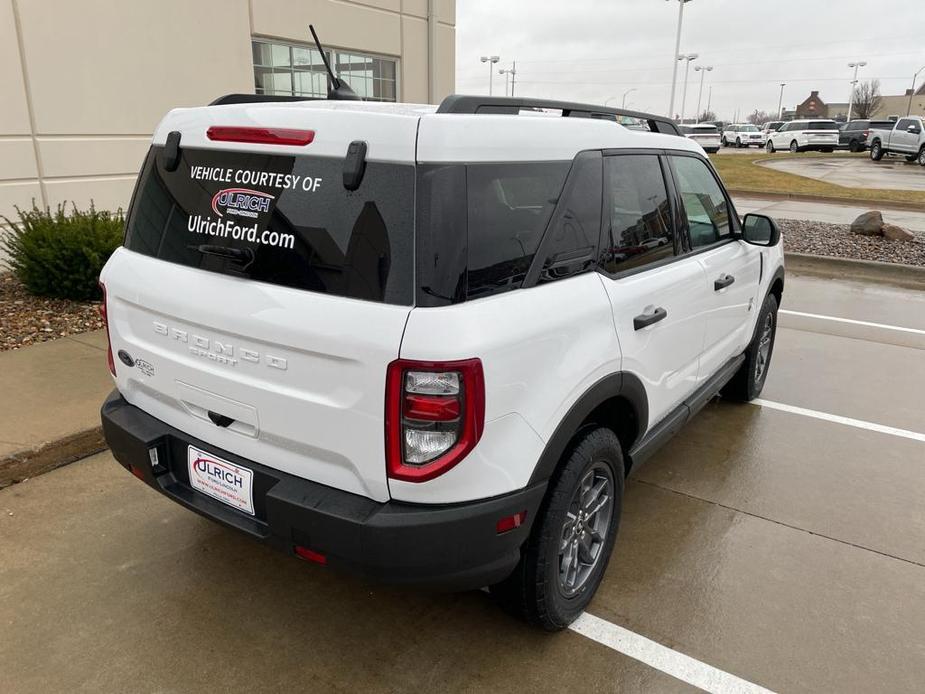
<point>759,117</point>
<point>867,99</point>
<point>706,117</point>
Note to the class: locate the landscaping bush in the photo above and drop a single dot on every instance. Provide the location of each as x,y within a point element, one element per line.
<point>59,254</point>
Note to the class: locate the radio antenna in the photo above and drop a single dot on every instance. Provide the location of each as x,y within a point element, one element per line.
<point>339,89</point>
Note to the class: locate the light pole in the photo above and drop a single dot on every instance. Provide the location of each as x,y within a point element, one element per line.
<point>912,91</point>
<point>689,57</point>
<point>491,60</point>
<point>702,69</point>
<point>674,56</point>
<point>856,65</point>
<point>625,94</point>
<point>780,102</point>
<point>709,97</point>
<point>509,72</point>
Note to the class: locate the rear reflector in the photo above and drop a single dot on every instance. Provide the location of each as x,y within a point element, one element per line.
<point>510,522</point>
<point>137,471</point>
<point>260,136</point>
<point>104,314</point>
<point>311,555</point>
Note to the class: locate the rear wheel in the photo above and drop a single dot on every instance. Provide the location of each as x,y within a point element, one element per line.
<point>794,147</point>
<point>876,150</point>
<point>749,379</point>
<point>563,562</point>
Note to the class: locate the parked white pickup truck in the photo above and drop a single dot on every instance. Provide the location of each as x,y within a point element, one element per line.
<point>907,138</point>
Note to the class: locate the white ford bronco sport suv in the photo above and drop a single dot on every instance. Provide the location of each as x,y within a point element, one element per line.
<point>427,344</point>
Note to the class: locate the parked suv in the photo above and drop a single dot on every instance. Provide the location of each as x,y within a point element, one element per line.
<point>853,135</point>
<point>741,135</point>
<point>704,134</point>
<point>768,128</point>
<point>804,135</point>
<point>427,344</point>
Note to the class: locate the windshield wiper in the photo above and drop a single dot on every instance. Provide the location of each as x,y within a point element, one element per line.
<point>243,256</point>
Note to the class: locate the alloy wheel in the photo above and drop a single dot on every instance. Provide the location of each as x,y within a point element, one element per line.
<point>764,347</point>
<point>584,532</point>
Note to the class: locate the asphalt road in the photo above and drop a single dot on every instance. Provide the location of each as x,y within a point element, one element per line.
<point>891,173</point>
<point>777,546</point>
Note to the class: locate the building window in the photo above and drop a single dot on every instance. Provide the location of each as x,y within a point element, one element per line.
<point>283,68</point>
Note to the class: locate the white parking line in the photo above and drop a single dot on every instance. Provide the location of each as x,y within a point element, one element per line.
<point>882,326</point>
<point>838,419</point>
<point>662,658</point>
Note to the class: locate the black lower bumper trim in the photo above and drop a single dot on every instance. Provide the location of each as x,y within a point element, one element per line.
<point>454,546</point>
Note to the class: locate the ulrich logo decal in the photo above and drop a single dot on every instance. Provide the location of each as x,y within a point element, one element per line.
<point>242,202</point>
<point>218,471</point>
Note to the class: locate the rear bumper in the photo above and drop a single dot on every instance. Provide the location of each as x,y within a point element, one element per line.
<point>450,547</point>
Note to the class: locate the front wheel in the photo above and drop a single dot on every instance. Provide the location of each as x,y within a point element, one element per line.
<point>769,147</point>
<point>724,142</point>
<point>563,562</point>
<point>738,143</point>
<point>876,151</point>
<point>794,147</point>
<point>921,158</point>
<point>749,379</point>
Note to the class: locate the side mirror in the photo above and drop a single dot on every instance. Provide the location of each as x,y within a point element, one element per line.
<point>912,128</point>
<point>760,230</point>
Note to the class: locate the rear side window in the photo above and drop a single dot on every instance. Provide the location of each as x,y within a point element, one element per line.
<point>280,219</point>
<point>705,206</point>
<point>509,206</point>
<point>637,213</point>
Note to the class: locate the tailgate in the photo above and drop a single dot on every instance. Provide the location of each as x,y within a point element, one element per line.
<point>258,312</point>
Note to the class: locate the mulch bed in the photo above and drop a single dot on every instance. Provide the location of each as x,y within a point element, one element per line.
<point>836,240</point>
<point>26,319</point>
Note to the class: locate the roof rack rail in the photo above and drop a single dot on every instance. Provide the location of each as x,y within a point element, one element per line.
<point>460,103</point>
<point>258,98</point>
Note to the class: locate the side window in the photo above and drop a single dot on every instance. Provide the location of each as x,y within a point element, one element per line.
<point>903,124</point>
<point>637,213</point>
<point>576,229</point>
<point>705,206</point>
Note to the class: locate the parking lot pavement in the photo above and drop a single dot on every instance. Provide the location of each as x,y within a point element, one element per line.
<point>855,172</point>
<point>833,213</point>
<point>781,548</point>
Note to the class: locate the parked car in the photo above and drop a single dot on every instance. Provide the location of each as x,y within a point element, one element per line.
<point>741,135</point>
<point>704,134</point>
<point>427,344</point>
<point>804,135</point>
<point>853,135</point>
<point>907,138</point>
<point>769,127</point>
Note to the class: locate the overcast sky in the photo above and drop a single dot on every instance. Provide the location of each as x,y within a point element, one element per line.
<point>591,50</point>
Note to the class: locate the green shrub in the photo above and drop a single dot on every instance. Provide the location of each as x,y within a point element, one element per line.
<point>60,254</point>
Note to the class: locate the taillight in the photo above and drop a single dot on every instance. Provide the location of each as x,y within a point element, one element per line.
<point>260,136</point>
<point>104,314</point>
<point>434,416</point>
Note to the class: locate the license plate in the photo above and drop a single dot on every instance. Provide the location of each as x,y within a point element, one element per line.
<point>220,479</point>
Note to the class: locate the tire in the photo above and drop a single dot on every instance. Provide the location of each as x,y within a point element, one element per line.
<point>739,143</point>
<point>854,146</point>
<point>921,158</point>
<point>769,147</point>
<point>537,590</point>
<point>724,142</point>
<point>794,147</point>
<point>749,379</point>
<point>911,157</point>
<point>876,150</point>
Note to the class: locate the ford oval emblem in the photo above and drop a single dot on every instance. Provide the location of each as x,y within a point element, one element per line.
<point>126,358</point>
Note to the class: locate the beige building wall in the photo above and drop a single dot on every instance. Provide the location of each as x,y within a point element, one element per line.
<point>898,105</point>
<point>84,82</point>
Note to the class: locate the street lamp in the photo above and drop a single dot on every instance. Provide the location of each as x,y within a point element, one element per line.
<point>509,72</point>
<point>625,94</point>
<point>912,91</point>
<point>689,57</point>
<point>856,65</point>
<point>780,102</point>
<point>674,56</point>
<point>491,60</point>
<point>702,69</point>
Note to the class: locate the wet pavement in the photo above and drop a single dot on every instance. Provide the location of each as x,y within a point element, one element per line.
<point>832,213</point>
<point>781,548</point>
<point>891,173</point>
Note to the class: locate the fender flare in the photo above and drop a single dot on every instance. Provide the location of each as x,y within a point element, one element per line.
<point>622,384</point>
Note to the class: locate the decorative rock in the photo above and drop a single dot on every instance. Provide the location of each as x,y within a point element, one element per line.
<point>895,233</point>
<point>868,224</point>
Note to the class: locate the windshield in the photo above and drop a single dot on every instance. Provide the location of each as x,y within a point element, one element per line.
<point>749,129</point>
<point>280,219</point>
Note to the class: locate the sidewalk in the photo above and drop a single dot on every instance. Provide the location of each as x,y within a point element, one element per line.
<point>832,213</point>
<point>52,395</point>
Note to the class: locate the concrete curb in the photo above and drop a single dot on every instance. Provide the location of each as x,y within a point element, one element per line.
<point>845,202</point>
<point>21,465</point>
<point>896,274</point>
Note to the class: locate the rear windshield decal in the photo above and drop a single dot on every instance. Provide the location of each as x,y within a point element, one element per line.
<point>267,179</point>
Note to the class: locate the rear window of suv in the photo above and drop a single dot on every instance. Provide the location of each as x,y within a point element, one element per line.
<point>280,219</point>
<point>821,125</point>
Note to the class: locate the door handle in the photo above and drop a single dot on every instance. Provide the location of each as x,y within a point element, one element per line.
<point>644,320</point>
<point>723,282</point>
